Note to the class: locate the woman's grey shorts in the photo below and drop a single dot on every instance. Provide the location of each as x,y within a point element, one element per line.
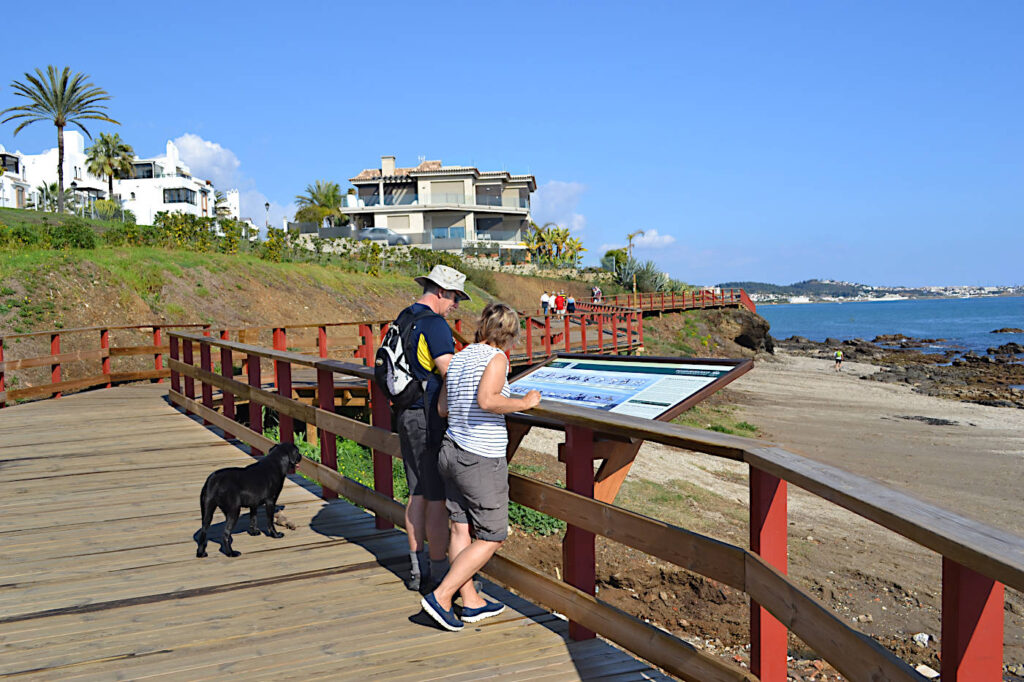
<point>475,490</point>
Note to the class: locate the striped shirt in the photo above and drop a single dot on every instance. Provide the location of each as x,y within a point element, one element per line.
<point>474,429</point>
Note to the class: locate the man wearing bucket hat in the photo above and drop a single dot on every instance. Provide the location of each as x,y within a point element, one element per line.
<point>421,429</point>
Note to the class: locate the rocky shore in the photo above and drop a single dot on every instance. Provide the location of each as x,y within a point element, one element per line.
<point>994,378</point>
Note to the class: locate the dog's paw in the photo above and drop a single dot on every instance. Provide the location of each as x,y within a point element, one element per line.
<point>234,553</point>
<point>200,553</point>
<point>253,531</point>
<point>276,534</point>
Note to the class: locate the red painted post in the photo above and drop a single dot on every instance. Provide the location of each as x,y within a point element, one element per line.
<point>205,363</point>
<point>255,409</point>
<point>600,333</point>
<point>286,424</point>
<point>768,647</point>
<point>280,343</point>
<point>227,370</point>
<point>105,345</point>
<point>366,348</point>
<point>175,377</point>
<point>458,327</point>
<point>55,368</point>
<point>547,335</point>
<point>615,332</point>
<point>529,340</point>
<point>583,332</point>
<point>972,625</point>
<point>578,555</point>
<point>3,403</point>
<point>629,330</point>
<point>321,340</point>
<point>328,441</point>
<point>640,327</point>
<point>383,482</point>
<point>158,357</point>
<point>190,383</point>
<point>568,346</point>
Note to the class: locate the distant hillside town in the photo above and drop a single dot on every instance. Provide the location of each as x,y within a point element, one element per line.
<point>815,290</point>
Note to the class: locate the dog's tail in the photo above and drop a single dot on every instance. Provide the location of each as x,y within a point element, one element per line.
<point>206,508</point>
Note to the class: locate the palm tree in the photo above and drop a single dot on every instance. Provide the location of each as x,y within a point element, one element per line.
<point>110,156</point>
<point>574,250</point>
<point>558,236</point>
<point>220,204</point>
<point>630,236</point>
<point>63,98</point>
<point>629,252</point>
<point>321,200</point>
<point>50,196</point>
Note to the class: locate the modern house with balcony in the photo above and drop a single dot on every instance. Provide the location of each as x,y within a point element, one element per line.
<point>442,207</point>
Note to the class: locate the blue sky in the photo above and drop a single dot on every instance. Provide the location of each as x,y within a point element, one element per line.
<point>874,142</point>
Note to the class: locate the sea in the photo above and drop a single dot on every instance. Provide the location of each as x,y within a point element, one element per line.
<point>964,324</point>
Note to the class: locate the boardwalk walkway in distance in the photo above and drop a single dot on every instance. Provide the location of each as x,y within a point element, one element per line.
<point>99,495</point>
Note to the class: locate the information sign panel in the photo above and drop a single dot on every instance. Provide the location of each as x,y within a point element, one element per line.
<point>653,388</point>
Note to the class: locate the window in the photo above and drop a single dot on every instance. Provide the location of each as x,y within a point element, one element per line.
<point>449,232</point>
<point>180,196</point>
<point>142,170</point>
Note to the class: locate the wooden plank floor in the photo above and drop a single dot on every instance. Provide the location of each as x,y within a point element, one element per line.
<point>99,580</point>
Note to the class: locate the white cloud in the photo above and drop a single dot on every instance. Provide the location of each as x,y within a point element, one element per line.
<point>651,239</point>
<point>209,160</point>
<point>556,202</point>
<point>253,205</point>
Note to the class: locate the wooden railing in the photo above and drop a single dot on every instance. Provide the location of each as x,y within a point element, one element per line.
<point>98,349</point>
<point>666,301</point>
<point>618,331</point>
<point>976,559</point>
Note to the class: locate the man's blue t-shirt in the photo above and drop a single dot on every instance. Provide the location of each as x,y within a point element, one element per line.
<point>434,339</point>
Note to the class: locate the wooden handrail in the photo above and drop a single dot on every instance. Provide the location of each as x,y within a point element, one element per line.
<point>989,552</point>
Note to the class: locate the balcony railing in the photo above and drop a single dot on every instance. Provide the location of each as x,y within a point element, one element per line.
<point>436,199</point>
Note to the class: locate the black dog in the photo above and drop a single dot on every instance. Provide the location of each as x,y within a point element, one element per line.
<point>236,487</point>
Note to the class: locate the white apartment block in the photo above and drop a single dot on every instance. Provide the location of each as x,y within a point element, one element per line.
<point>162,183</point>
<point>15,190</point>
<point>442,207</point>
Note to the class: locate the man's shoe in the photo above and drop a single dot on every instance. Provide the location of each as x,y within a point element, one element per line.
<point>491,608</point>
<point>444,617</point>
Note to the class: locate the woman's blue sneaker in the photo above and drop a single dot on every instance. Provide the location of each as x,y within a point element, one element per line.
<point>491,608</point>
<point>444,617</point>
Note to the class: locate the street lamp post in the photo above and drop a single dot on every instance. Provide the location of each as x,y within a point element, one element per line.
<point>266,206</point>
<point>74,192</point>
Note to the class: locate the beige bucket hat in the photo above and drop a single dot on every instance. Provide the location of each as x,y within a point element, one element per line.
<point>447,278</point>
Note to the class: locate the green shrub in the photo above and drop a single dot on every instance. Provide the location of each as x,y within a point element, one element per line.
<point>126,234</point>
<point>20,235</point>
<point>276,245</point>
<point>483,279</point>
<point>73,233</point>
<point>532,521</point>
<point>107,209</point>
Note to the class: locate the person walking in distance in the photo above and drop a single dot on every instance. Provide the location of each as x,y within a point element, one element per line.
<point>570,304</point>
<point>545,300</point>
<point>560,303</point>
<point>476,399</point>
<point>839,360</point>
<point>420,427</point>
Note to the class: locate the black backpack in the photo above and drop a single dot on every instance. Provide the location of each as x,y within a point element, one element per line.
<point>392,367</point>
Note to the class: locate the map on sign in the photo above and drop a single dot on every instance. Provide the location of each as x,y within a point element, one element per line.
<point>637,388</point>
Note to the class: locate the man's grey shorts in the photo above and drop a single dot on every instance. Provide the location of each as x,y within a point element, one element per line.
<point>419,450</point>
<point>476,490</point>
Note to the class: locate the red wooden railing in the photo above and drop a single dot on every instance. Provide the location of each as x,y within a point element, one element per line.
<point>671,301</point>
<point>976,559</point>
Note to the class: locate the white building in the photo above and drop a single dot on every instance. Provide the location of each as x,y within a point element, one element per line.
<point>15,190</point>
<point>165,183</point>
<point>162,183</point>
<point>442,207</point>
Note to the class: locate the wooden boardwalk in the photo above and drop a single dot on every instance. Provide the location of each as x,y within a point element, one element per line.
<point>100,581</point>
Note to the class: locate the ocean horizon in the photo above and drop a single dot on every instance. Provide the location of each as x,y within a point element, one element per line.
<point>962,323</point>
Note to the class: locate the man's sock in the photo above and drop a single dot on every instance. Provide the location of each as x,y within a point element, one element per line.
<point>420,567</point>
